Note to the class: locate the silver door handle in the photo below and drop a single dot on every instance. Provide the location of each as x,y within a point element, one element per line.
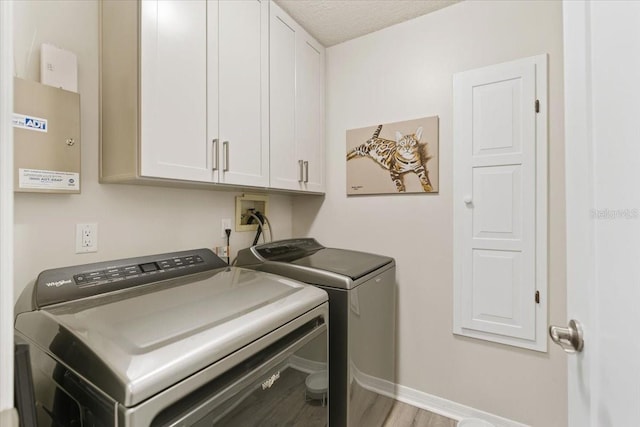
<point>306,172</point>
<point>214,160</point>
<point>570,339</point>
<point>225,149</point>
<point>301,170</point>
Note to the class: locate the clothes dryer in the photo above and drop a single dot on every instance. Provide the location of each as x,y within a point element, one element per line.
<point>177,339</point>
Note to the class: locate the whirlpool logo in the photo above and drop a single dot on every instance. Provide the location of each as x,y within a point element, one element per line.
<point>57,284</point>
<point>269,382</point>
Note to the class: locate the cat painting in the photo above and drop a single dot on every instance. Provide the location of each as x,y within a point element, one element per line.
<point>399,157</point>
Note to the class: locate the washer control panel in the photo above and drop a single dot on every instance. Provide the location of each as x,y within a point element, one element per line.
<point>288,250</point>
<point>82,281</point>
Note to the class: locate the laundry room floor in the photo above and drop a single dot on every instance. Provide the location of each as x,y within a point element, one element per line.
<point>370,408</point>
<point>403,415</point>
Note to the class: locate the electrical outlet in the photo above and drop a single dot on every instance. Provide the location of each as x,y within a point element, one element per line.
<point>222,251</point>
<point>226,224</point>
<point>86,238</point>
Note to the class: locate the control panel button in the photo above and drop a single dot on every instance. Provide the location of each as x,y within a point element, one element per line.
<point>97,279</point>
<point>96,276</point>
<point>131,270</point>
<point>165,264</point>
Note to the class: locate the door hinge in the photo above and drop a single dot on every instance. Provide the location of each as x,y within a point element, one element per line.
<point>537,106</point>
<point>537,297</point>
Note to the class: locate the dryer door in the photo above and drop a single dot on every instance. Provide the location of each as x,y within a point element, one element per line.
<point>281,385</point>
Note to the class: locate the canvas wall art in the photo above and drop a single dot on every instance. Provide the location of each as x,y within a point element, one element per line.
<point>393,158</point>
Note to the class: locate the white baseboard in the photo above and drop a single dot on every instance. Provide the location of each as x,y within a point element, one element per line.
<point>306,365</point>
<point>9,418</point>
<point>429,402</point>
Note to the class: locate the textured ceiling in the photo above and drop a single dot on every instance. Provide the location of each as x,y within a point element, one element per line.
<point>335,21</point>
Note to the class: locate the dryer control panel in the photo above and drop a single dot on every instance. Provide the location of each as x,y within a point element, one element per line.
<point>82,281</point>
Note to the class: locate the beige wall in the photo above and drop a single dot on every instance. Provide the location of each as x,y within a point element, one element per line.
<point>132,220</point>
<point>400,73</point>
<point>405,72</point>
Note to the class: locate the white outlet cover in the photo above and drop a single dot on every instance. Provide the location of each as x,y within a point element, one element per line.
<point>86,238</point>
<point>224,224</point>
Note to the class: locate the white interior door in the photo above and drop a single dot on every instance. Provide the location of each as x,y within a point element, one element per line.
<point>602,113</point>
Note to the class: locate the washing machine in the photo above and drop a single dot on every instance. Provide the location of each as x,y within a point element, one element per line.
<point>362,332</point>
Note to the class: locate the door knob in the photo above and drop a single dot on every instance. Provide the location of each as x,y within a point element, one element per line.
<point>570,339</point>
<point>467,199</point>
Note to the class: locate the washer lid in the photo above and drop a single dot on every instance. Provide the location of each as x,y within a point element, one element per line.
<point>309,261</point>
<point>137,343</point>
<point>347,263</point>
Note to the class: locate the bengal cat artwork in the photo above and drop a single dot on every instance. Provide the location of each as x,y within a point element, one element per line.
<point>399,157</point>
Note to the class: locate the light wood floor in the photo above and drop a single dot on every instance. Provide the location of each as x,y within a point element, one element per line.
<point>372,409</point>
<point>403,415</point>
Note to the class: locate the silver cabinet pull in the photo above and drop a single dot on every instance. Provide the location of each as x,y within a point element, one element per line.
<point>570,339</point>
<point>306,172</point>
<point>215,154</point>
<point>225,149</point>
<point>300,171</point>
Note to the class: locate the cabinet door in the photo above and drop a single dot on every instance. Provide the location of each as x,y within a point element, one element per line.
<point>173,89</point>
<point>285,171</point>
<point>297,105</point>
<point>243,87</point>
<point>310,110</point>
<point>213,130</point>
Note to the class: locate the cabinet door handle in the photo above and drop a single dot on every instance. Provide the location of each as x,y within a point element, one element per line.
<point>215,156</point>
<point>306,172</point>
<point>300,170</point>
<point>225,149</point>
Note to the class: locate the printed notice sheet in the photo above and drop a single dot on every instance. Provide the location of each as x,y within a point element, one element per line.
<point>50,180</point>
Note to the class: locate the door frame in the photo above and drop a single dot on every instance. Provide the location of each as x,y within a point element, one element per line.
<point>580,198</point>
<point>6,210</point>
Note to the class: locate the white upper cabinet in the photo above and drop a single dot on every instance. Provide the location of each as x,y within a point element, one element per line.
<point>173,95</point>
<point>185,90</point>
<point>284,158</point>
<point>296,106</point>
<point>243,91</point>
